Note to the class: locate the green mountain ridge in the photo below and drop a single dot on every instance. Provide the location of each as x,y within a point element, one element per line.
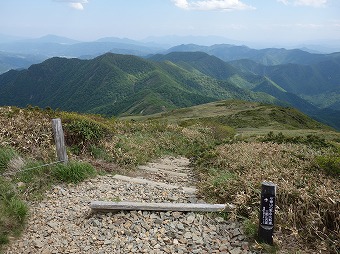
<point>242,77</point>
<point>114,84</point>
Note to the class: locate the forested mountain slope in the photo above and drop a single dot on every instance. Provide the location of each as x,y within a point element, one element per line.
<point>114,84</point>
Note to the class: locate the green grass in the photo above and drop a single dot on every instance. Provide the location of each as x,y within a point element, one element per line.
<point>73,172</point>
<point>13,211</point>
<point>6,154</point>
<point>241,115</point>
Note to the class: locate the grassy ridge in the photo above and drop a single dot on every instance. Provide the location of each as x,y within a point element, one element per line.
<point>241,115</point>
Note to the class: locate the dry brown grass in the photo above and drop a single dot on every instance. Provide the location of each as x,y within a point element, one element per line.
<point>28,131</point>
<point>308,201</point>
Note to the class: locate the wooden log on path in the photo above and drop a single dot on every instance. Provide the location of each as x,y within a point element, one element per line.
<point>103,206</point>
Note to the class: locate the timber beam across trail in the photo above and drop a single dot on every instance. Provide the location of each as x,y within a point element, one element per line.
<point>103,206</point>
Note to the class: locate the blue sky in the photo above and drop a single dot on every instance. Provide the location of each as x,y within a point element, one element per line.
<point>272,21</point>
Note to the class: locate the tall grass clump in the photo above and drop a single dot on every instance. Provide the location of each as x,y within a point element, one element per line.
<point>13,211</point>
<point>308,200</point>
<point>6,155</point>
<point>73,172</point>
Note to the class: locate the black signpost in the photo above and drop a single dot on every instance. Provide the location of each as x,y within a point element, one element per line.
<point>267,213</point>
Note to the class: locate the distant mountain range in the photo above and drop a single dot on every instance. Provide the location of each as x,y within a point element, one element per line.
<point>39,49</point>
<point>164,79</point>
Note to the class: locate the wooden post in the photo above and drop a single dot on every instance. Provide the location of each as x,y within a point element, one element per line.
<point>59,140</point>
<point>267,213</point>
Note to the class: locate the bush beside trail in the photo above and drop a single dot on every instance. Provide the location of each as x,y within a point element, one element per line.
<point>308,201</point>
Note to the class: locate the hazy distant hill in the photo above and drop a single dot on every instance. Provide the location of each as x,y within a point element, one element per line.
<point>269,56</point>
<point>10,61</point>
<point>52,45</point>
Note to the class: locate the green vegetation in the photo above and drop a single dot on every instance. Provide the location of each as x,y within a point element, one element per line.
<point>330,164</point>
<point>73,172</point>
<point>114,84</point>
<point>293,151</point>
<point>13,211</point>
<point>309,140</point>
<point>6,155</point>
<point>241,115</point>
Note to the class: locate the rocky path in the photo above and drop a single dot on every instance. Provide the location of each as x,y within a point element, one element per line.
<point>61,223</point>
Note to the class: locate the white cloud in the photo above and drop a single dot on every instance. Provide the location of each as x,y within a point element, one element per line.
<point>285,2</point>
<point>210,5</point>
<point>312,3</point>
<point>75,4</point>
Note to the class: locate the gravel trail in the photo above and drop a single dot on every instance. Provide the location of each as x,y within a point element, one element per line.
<point>61,223</point>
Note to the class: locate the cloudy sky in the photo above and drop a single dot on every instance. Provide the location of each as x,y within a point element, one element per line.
<point>273,21</point>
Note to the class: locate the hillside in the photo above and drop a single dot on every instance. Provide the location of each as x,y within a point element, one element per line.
<point>319,78</point>
<point>300,158</point>
<point>289,83</point>
<point>242,115</point>
<point>115,84</point>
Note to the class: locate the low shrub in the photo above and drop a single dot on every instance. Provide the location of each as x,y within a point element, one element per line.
<point>310,140</point>
<point>330,164</point>
<point>83,133</point>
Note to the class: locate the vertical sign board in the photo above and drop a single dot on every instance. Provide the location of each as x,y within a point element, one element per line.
<point>59,140</point>
<point>267,213</point>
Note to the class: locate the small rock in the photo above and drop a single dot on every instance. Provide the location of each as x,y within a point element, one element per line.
<point>176,215</point>
<point>219,219</point>
<point>39,244</point>
<point>180,226</point>
<point>190,219</point>
<point>86,248</point>
<point>21,184</point>
<point>46,251</point>
<point>188,235</point>
<point>235,251</point>
<point>52,224</point>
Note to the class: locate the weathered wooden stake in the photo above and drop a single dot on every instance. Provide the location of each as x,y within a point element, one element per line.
<point>59,140</point>
<point>267,213</point>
